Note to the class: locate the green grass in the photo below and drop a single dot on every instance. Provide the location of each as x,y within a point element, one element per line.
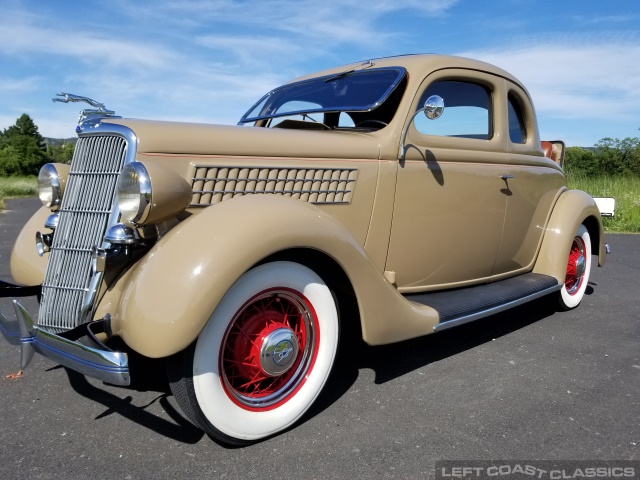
<point>17,187</point>
<point>626,191</point>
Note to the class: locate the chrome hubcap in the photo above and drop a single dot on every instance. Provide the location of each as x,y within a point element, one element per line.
<point>576,267</point>
<point>581,266</point>
<point>278,352</point>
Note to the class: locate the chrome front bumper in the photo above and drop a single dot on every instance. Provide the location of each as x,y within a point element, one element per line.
<point>98,362</point>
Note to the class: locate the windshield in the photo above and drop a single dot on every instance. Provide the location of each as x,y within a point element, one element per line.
<point>351,91</point>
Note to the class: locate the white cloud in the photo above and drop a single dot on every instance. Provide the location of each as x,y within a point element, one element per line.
<point>251,49</point>
<point>20,38</point>
<point>16,85</point>
<point>576,77</point>
<point>332,22</point>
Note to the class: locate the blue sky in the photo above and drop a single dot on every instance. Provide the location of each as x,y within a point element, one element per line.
<point>209,61</point>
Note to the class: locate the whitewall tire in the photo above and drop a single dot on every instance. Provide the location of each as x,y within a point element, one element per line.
<point>578,268</point>
<point>263,356</point>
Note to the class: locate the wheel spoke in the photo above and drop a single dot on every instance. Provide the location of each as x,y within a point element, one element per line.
<point>236,362</point>
<point>242,354</point>
<point>573,279</point>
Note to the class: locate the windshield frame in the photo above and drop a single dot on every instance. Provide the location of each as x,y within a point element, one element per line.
<point>401,73</point>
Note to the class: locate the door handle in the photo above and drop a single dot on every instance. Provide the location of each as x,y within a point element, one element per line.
<point>506,177</point>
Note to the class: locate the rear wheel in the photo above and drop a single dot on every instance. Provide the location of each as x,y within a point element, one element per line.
<point>263,357</point>
<point>578,268</point>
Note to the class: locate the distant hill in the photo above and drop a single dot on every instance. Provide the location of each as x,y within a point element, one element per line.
<point>60,141</point>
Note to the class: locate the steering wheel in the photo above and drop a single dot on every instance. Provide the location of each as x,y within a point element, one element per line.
<point>375,122</point>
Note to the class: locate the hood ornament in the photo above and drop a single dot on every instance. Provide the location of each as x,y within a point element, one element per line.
<point>99,110</point>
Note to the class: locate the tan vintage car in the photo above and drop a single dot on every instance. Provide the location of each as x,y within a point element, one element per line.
<point>415,188</point>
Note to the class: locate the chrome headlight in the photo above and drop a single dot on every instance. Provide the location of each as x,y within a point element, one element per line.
<point>142,204</point>
<point>51,181</point>
<point>134,192</point>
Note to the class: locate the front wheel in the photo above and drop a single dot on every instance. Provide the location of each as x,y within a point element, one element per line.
<point>263,356</point>
<point>578,268</point>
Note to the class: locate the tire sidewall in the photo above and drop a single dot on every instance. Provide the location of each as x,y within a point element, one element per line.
<point>218,409</point>
<point>567,300</point>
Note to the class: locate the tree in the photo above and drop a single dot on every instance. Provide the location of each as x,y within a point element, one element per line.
<point>617,156</point>
<point>22,148</point>
<point>610,156</point>
<point>60,153</point>
<point>581,161</point>
<point>9,161</point>
<point>25,126</point>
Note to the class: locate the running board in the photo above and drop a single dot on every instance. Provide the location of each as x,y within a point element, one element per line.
<point>463,305</point>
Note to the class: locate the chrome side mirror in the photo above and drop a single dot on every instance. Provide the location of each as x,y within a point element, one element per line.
<point>433,109</point>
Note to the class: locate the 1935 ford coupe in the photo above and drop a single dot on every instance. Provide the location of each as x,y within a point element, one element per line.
<point>415,187</point>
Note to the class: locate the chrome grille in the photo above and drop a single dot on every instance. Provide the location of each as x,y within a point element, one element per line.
<point>86,208</point>
<point>213,185</point>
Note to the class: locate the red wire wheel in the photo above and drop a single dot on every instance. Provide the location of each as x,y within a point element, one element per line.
<point>269,349</point>
<point>577,273</point>
<point>576,266</point>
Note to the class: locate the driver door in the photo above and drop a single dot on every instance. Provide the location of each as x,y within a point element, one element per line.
<point>450,198</point>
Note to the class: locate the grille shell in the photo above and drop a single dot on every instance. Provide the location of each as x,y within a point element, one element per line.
<point>88,208</point>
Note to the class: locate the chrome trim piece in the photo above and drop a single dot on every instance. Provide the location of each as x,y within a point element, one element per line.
<point>122,234</point>
<point>607,248</point>
<point>492,311</point>
<point>105,365</point>
<point>109,259</point>
<point>52,221</point>
<point>43,243</point>
<point>90,296</point>
<point>26,328</point>
<point>98,260</point>
<point>320,186</point>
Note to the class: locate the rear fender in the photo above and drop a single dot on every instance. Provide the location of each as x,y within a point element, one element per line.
<point>572,209</point>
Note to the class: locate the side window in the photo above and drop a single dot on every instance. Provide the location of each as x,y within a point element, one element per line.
<point>467,111</point>
<point>345,120</point>
<point>517,126</point>
<point>296,106</point>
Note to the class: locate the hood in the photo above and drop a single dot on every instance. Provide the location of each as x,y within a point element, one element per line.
<point>202,139</point>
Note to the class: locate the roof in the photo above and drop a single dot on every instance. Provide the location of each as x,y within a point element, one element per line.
<point>419,65</point>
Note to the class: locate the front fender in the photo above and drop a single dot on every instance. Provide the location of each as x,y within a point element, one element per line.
<point>27,267</point>
<point>573,208</point>
<point>162,303</point>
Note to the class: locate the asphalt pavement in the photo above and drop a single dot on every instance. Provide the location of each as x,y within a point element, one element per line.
<point>531,383</point>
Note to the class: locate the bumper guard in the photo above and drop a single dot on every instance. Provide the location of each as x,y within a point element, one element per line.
<point>97,361</point>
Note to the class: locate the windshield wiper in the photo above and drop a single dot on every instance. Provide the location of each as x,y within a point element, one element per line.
<point>339,76</point>
<point>364,65</point>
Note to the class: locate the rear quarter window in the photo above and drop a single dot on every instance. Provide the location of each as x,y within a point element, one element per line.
<point>517,125</point>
